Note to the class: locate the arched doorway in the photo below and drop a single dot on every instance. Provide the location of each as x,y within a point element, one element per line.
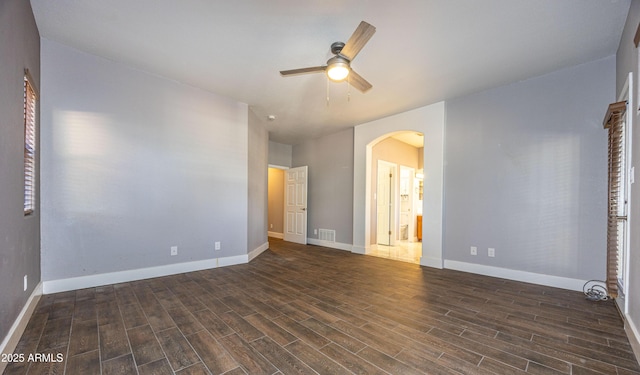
<point>396,199</point>
<point>430,122</point>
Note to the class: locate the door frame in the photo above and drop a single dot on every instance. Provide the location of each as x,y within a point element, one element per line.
<point>270,233</point>
<point>393,207</point>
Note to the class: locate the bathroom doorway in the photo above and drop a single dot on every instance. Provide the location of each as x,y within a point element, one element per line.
<point>396,204</point>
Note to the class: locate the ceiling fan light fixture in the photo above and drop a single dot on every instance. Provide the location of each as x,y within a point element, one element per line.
<point>338,69</point>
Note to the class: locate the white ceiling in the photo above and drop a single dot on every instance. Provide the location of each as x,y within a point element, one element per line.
<point>424,51</point>
<point>411,138</point>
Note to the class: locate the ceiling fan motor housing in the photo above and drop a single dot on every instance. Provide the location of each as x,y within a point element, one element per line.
<point>337,47</point>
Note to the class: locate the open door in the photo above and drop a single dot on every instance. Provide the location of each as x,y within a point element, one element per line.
<point>295,205</point>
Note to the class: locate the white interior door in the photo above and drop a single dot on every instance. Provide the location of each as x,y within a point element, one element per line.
<point>295,205</point>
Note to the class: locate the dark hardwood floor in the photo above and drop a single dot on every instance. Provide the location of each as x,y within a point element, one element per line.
<point>306,310</point>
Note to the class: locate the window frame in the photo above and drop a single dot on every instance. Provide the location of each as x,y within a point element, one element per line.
<point>30,120</point>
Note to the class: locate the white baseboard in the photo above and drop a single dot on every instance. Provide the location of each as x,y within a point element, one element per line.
<point>275,235</point>
<point>633,334</point>
<point>524,276</point>
<point>81,282</point>
<point>257,251</point>
<point>226,261</point>
<point>333,245</point>
<point>17,329</point>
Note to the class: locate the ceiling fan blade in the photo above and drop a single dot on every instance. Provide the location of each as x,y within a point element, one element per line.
<point>313,69</point>
<point>358,82</point>
<point>358,39</point>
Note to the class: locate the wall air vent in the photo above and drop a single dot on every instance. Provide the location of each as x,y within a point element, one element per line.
<point>328,235</point>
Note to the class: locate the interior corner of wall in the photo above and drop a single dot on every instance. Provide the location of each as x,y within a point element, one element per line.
<point>10,342</point>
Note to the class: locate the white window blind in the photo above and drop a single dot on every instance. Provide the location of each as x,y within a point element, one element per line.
<point>30,109</point>
<point>614,121</point>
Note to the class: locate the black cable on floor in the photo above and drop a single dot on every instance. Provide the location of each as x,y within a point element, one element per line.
<point>595,290</point>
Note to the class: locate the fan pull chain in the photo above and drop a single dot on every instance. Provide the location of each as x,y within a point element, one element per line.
<point>348,89</point>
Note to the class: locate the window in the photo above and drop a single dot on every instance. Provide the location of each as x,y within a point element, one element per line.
<point>30,108</point>
<point>617,217</point>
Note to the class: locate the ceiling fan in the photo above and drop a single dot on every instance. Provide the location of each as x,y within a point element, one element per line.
<point>338,67</point>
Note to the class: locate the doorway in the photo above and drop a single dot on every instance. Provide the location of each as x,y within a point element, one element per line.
<point>429,121</point>
<point>275,206</point>
<point>395,205</point>
<point>287,203</point>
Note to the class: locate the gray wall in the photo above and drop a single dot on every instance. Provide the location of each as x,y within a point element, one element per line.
<point>280,154</point>
<point>627,61</point>
<point>257,179</point>
<point>19,235</point>
<point>133,164</point>
<point>525,173</point>
<point>330,194</point>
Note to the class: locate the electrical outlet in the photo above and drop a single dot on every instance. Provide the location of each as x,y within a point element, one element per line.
<point>25,283</point>
<point>174,250</point>
<point>270,226</point>
<point>315,231</point>
<point>217,245</point>
<point>491,252</point>
<point>474,250</point>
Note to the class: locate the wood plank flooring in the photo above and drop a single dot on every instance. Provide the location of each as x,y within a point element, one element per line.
<point>313,310</point>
